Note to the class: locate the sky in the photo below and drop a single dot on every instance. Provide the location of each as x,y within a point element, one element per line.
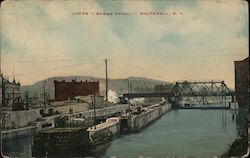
<point>193,40</point>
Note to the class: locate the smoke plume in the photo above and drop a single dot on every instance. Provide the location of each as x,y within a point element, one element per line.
<point>112,96</point>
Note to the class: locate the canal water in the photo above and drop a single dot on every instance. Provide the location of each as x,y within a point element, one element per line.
<point>192,133</point>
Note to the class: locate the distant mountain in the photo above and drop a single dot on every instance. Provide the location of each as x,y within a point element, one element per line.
<point>118,85</point>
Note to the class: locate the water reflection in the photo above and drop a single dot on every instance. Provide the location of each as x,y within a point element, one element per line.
<point>20,147</point>
<point>193,133</point>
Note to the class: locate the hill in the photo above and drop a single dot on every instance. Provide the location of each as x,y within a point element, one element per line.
<point>137,84</point>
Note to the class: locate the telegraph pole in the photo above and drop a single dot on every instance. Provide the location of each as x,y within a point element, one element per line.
<point>3,90</point>
<point>44,93</point>
<point>131,88</point>
<point>106,66</point>
<point>94,107</point>
<point>128,85</point>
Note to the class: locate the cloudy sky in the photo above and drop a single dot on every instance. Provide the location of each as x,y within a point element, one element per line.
<point>196,40</point>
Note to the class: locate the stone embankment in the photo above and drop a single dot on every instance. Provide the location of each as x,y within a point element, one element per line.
<point>150,114</point>
<point>24,123</point>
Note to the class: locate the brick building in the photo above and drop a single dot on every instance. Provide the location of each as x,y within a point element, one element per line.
<point>66,90</point>
<point>242,81</point>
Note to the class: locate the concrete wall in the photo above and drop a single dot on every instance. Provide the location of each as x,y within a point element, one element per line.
<point>80,107</point>
<point>136,122</point>
<point>23,118</point>
<point>17,119</point>
<point>20,132</point>
<point>103,112</point>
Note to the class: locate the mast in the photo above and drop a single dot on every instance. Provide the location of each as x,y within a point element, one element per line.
<point>106,65</point>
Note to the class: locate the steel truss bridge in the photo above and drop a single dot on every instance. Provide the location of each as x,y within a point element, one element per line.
<point>201,92</point>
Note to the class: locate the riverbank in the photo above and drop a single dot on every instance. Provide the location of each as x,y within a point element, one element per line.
<point>238,148</point>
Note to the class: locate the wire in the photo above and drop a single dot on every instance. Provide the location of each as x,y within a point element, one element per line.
<point>117,67</point>
<point>91,69</point>
<point>51,69</point>
<point>164,57</point>
<point>40,61</point>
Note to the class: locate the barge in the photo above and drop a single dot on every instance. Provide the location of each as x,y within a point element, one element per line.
<point>98,134</point>
<point>85,141</point>
<point>61,142</point>
<point>74,141</point>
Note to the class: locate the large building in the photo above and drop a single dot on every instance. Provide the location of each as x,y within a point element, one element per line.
<point>242,81</point>
<point>11,92</point>
<point>67,90</point>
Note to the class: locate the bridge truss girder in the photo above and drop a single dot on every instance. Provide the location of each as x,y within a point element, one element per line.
<point>200,91</point>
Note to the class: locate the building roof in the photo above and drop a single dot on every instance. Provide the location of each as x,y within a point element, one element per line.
<point>247,58</point>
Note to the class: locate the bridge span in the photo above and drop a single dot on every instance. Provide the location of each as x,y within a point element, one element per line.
<point>199,90</point>
<point>169,94</point>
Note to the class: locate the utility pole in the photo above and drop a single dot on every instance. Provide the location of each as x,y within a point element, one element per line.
<point>128,85</point>
<point>44,93</point>
<point>131,88</point>
<point>13,83</point>
<point>128,89</point>
<point>94,108</point>
<point>3,90</point>
<point>13,101</point>
<point>106,66</point>
<point>13,73</point>
<point>94,102</point>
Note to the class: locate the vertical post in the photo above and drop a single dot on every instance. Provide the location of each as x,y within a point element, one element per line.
<point>106,68</point>
<point>44,97</point>
<point>94,107</point>
<point>212,86</point>
<point>13,73</point>
<point>128,89</point>
<point>3,90</point>
<point>131,88</point>
<point>128,86</point>
<point>13,101</point>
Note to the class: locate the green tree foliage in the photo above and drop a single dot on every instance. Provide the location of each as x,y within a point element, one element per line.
<point>163,87</point>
